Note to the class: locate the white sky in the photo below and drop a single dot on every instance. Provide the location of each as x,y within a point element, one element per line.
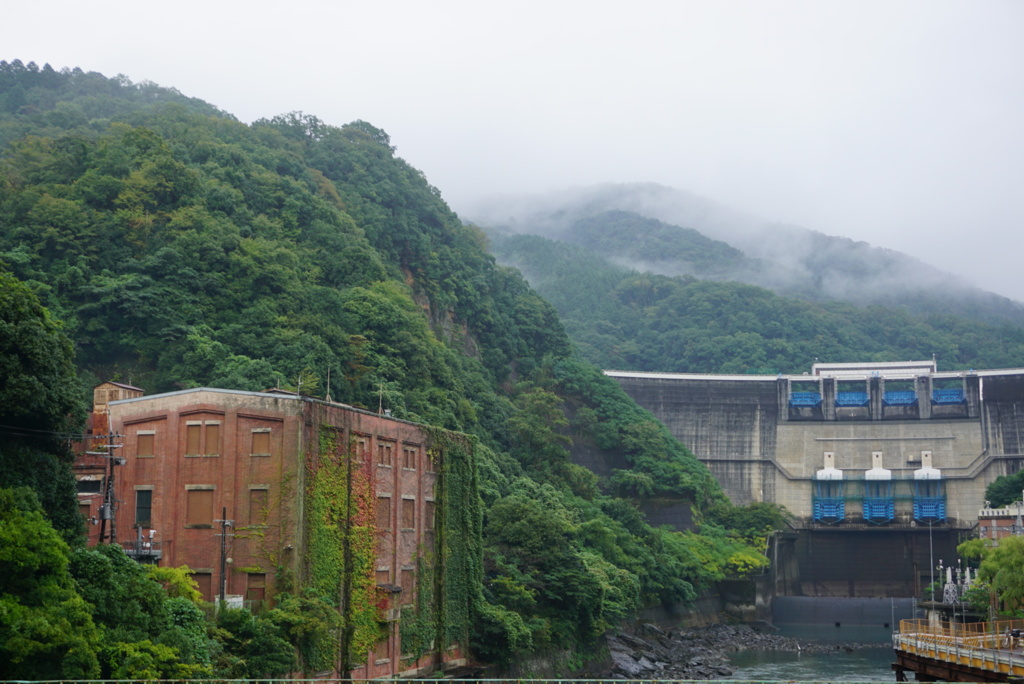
<point>897,123</point>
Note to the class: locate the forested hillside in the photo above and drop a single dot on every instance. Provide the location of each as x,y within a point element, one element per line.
<point>626,319</point>
<point>182,248</point>
<point>789,260</point>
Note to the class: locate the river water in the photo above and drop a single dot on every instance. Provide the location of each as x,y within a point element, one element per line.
<point>870,663</point>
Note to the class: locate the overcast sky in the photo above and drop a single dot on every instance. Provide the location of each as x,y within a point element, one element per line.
<point>897,123</point>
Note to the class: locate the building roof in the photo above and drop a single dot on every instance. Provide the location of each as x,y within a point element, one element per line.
<point>121,385</point>
<point>273,393</point>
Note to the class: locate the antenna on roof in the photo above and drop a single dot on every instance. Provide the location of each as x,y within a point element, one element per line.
<point>327,397</point>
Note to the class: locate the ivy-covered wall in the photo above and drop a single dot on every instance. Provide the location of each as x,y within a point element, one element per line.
<point>449,573</point>
<point>345,543</point>
<point>341,549</point>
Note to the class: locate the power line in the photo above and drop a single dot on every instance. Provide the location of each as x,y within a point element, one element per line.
<point>20,431</point>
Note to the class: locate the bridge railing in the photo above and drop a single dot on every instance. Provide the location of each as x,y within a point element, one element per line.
<point>989,646</point>
<point>959,629</point>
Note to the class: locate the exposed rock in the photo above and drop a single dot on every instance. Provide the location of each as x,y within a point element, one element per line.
<point>649,652</point>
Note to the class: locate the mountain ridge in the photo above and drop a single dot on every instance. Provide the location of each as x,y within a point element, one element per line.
<point>787,259</point>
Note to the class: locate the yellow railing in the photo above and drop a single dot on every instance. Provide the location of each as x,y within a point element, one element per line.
<point>990,646</point>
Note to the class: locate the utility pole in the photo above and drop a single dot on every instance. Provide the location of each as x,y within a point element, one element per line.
<point>224,534</point>
<point>109,507</point>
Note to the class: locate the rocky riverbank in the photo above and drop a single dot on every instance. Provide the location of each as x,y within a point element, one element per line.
<point>649,652</point>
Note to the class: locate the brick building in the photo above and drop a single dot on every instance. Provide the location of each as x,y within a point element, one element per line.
<point>996,523</point>
<point>188,461</point>
<point>94,464</point>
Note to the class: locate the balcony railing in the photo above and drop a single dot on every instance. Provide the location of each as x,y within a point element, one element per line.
<point>143,551</point>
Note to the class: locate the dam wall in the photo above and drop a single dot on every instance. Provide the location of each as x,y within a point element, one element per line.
<point>761,446</point>
<point>883,467</point>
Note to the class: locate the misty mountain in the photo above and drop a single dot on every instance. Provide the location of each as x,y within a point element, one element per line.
<point>622,318</point>
<point>666,231</point>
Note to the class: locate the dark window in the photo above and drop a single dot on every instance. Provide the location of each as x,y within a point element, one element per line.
<point>144,507</point>
<point>90,486</point>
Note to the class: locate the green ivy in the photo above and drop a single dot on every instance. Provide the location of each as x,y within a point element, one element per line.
<point>417,626</point>
<point>449,575</point>
<point>340,518</point>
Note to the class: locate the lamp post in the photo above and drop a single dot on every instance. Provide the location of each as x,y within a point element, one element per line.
<point>931,558</point>
<point>1018,527</point>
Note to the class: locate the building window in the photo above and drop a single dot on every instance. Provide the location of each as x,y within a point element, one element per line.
<point>362,447</point>
<point>90,486</point>
<point>192,434</point>
<point>408,585</point>
<point>255,589</point>
<point>428,515</point>
<point>202,438</point>
<point>408,514</point>
<point>383,576</point>
<point>258,506</point>
<point>199,508</point>
<point>144,507</point>
<point>384,513</point>
<point>145,445</point>
<point>212,439</point>
<point>260,442</point>
<point>409,457</point>
<point>384,453</point>
<point>205,582</point>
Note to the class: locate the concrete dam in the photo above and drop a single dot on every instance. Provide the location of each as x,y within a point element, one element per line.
<point>883,466</point>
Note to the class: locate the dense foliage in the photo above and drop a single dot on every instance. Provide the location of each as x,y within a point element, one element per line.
<point>1005,490</point>
<point>76,613</point>
<point>625,319</point>
<point>632,238</point>
<point>40,404</point>
<point>999,581</point>
<point>182,248</point>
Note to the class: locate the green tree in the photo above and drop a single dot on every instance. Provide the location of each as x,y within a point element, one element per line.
<point>46,630</point>
<point>40,404</point>
<point>1002,569</point>
<point>253,647</point>
<point>126,604</point>
<point>1005,489</point>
